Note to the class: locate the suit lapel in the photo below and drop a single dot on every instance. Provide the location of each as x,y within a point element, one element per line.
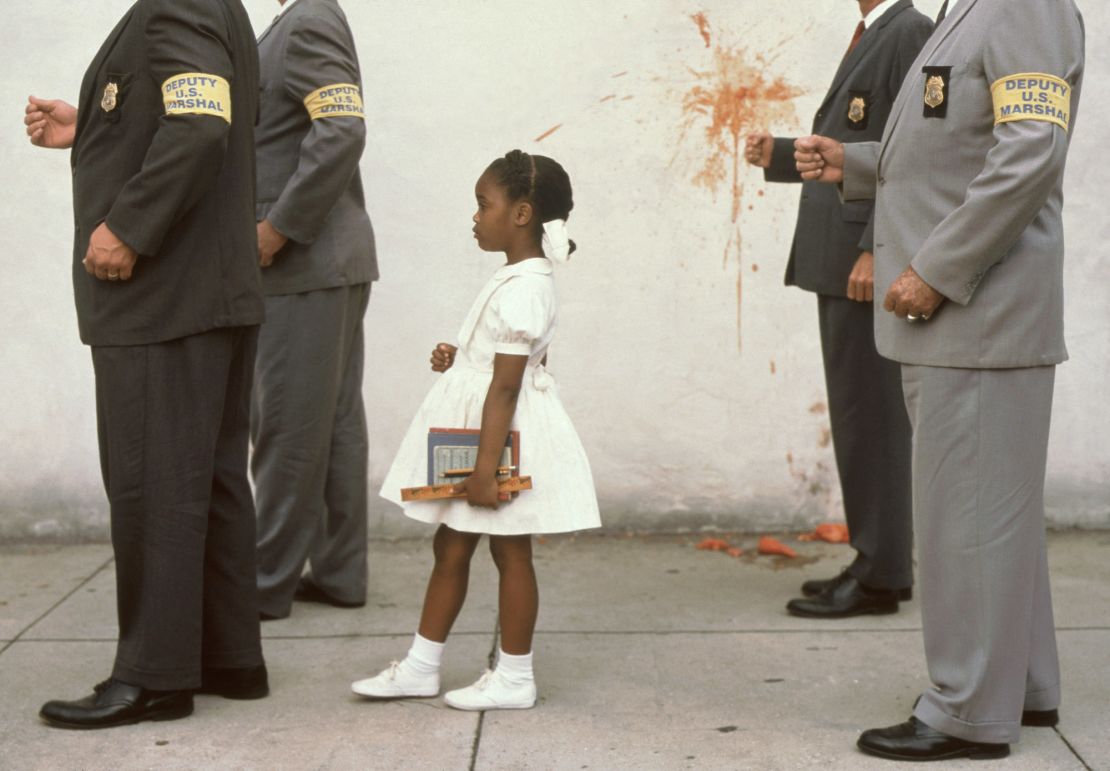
<point>90,85</point>
<point>951,21</point>
<point>278,20</point>
<point>852,60</point>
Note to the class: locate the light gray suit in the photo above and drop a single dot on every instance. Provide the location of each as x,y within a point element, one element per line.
<point>974,206</point>
<point>308,422</point>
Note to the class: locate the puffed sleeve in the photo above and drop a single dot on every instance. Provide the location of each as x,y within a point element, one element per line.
<point>522,312</point>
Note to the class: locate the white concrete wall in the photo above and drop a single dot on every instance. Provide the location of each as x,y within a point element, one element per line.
<point>684,427</point>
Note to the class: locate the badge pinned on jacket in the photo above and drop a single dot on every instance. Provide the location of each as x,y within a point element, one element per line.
<point>859,110</point>
<point>110,99</point>
<point>936,91</point>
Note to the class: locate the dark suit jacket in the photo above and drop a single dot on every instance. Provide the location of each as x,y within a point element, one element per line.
<point>830,235</point>
<point>178,188</point>
<point>309,185</point>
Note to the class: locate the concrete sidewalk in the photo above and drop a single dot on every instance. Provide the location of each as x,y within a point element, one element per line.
<point>649,655</point>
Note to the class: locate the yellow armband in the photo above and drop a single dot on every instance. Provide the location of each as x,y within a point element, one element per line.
<point>334,101</point>
<point>197,93</point>
<point>1032,96</point>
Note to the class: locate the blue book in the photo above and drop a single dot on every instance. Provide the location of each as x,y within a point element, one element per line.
<point>452,449</point>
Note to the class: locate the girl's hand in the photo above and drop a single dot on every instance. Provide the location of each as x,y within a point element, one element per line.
<point>481,491</point>
<point>443,356</point>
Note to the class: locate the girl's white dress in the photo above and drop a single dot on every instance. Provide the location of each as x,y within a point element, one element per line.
<point>515,313</point>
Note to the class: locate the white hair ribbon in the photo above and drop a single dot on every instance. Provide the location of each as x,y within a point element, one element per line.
<point>556,241</point>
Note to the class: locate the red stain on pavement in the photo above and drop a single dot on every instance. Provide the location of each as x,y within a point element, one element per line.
<point>830,532</point>
<point>769,545</point>
<point>713,544</point>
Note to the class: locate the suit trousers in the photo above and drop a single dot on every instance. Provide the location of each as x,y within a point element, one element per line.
<point>308,427</point>
<point>871,441</point>
<point>173,428</point>
<point>979,449</point>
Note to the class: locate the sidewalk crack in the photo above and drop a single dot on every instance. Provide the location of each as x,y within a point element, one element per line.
<point>491,659</point>
<point>1064,739</point>
<point>55,606</point>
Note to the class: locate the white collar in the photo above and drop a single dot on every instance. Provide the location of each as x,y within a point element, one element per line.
<point>539,265</point>
<point>876,12</point>
<point>951,7</point>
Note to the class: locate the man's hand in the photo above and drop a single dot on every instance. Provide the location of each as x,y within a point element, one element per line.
<point>758,148</point>
<point>108,258</point>
<point>909,297</point>
<point>861,282</point>
<point>481,491</point>
<point>50,122</point>
<point>819,158</point>
<point>443,356</point>
<point>270,242</point>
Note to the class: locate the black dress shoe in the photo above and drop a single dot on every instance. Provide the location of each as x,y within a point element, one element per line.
<point>235,683</point>
<point>1040,718</point>
<point>817,586</point>
<point>847,598</point>
<point>310,592</point>
<point>913,740</point>
<point>115,703</point>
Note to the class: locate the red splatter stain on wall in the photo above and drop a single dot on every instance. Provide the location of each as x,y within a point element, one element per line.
<point>736,95</point>
<point>548,133</point>
<point>703,27</point>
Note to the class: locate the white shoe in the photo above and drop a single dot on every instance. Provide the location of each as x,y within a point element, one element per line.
<point>493,691</point>
<point>397,682</point>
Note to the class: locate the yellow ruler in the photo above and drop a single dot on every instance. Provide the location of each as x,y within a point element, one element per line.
<point>437,492</point>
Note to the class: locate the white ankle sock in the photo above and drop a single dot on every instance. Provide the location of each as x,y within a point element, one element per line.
<point>515,669</point>
<point>425,656</point>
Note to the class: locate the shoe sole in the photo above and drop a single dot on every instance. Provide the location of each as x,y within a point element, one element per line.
<point>467,708</point>
<point>260,693</point>
<point>869,612</point>
<point>168,714</point>
<point>971,753</point>
<point>394,697</point>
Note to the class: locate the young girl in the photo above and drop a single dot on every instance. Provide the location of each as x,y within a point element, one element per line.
<point>495,380</point>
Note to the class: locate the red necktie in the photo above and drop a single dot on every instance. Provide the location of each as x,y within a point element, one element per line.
<point>855,39</point>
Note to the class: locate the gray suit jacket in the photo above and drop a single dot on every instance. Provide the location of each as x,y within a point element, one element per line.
<point>309,185</point>
<point>972,202</point>
<point>830,234</point>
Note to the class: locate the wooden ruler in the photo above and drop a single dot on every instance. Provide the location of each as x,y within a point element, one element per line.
<point>438,492</point>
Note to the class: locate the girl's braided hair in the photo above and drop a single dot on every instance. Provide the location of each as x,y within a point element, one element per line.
<point>539,180</point>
